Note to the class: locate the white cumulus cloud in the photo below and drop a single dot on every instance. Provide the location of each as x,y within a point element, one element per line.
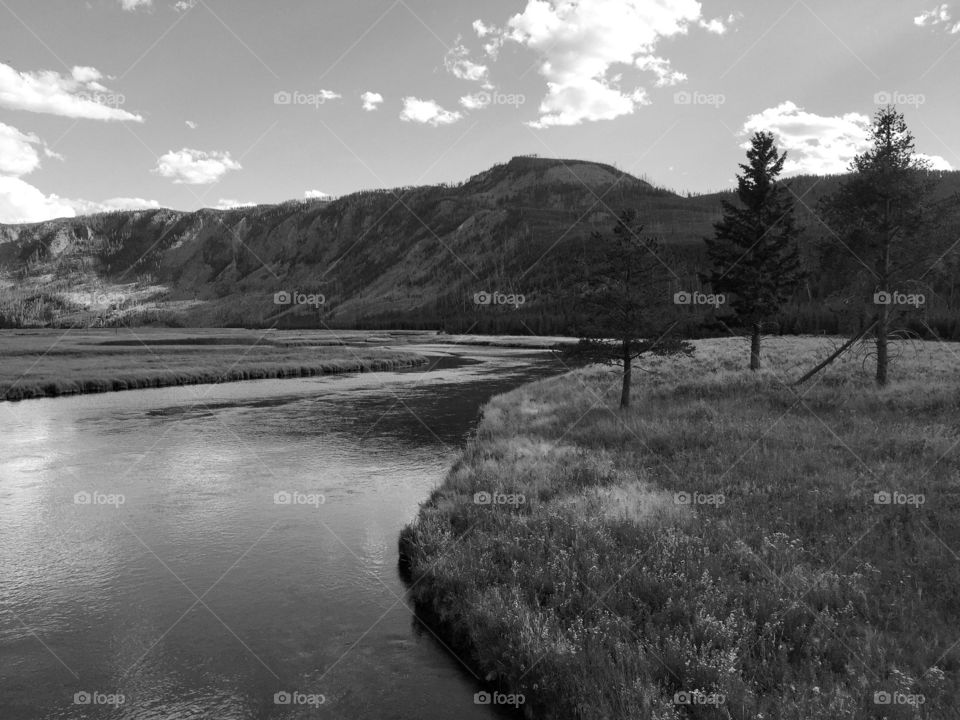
<point>195,167</point>
<point>18,151</point>
<point>315,195</point>
<point>938,17</point>
<point>230,204</point>
<point>580,42</point>
<point>458,63</point>
<point>371,100</point>
<point>21,202</point>
<point>190,124</point>
<point>130,5</point>
<point>79,95</point>
<point>427,112</point>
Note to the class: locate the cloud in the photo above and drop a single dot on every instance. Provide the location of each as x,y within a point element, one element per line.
<point>184,5</point>
<point>131,5</point>
<point>231,204</point>
<point>475,101</point>
<point>457,62</point>
<point>579,43</point>
<point>195,167</point>
<point>937,17</point>
<point>371,100</point>
<point>18,154</point>
<point>190,124</point>
<point>935,162</point>
<point>90,207</point>
<point>316,195</point>
<point>78,96</point>
<point>21,202</point>
<point>428,112</point>
<point>816,144</point>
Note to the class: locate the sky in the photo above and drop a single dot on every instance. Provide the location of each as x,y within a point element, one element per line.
<point>117,104</point>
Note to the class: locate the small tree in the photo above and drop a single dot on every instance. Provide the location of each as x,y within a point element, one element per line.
<point>878,210</point>
<point>624,296</point>
<point>753,251</point>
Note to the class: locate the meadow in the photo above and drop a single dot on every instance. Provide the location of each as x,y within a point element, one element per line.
<point>45,363</point>
<point>732,546</point>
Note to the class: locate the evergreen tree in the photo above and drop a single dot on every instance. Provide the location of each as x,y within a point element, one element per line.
<point>878,212</point>
<point>753,251</point>
<point>623,296</point>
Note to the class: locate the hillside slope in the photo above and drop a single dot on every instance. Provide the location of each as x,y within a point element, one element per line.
<point>409,257</point>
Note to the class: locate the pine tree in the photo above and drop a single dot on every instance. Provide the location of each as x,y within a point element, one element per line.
<point>753,251</point>
<point>878,210</point>
<point>624,299</point>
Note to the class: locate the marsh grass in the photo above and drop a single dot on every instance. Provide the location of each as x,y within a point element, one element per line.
<point>50,364</point>
<point>797,597</point>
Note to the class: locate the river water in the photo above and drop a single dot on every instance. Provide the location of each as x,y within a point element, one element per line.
<point>230,551</point>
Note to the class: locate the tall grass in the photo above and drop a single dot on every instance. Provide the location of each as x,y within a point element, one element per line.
<point>787,592</point>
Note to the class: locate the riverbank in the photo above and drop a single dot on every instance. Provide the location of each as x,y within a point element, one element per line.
<point>45,364</point>
<point>730,547</point>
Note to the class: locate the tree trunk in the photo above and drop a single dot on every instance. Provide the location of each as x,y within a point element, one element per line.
<point>755,346</point>
<point>882,355</point>
<point>883,317</point>
<point>627,371</point>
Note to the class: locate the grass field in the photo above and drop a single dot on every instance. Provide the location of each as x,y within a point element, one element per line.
<point>730,547</point>
<point>44,363</point>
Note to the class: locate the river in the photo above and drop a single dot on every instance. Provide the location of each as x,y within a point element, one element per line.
<point>230,551</point>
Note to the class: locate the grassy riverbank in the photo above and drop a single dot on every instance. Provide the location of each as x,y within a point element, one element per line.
<point>46,364</point>
<point>719,551</point>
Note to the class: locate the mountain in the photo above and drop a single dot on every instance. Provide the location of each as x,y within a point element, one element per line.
<point>410,257</point>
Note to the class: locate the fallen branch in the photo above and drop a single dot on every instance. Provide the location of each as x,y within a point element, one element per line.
<point>843,348</point>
